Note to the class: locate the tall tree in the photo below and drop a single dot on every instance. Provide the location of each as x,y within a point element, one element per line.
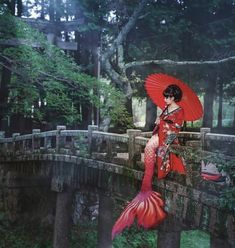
<point>153,35</point>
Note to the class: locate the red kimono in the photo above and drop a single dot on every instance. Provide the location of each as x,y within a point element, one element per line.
<point>169,126</point>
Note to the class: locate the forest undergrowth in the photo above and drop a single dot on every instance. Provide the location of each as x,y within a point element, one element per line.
<point>32,235</point>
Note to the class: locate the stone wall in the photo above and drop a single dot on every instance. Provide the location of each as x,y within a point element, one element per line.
<point>25,198</point>
<point>85,206</point>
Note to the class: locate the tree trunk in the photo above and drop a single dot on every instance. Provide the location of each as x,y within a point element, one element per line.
<point>77,54</point>
<point>220,110</point>
<point>52,10</point>
<point>151,114</point>
<point>96,73</point>
<point>234,119</point>
<point>86,115</point>
<point>208,103</point>
<point>11,6</point>
<point>5,80</point>
<point>128,104</point>
<point>58,7</point>
<point>66,34</point>
<point>42,13</point>
<point>19,8</point>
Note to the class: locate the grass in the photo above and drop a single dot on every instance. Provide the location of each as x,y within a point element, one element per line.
<point>36,236</point>
<point>195,239</point>
<point>23,236</point>
<point>136,238</point>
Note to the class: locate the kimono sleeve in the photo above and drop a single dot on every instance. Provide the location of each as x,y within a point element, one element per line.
<point>178,123</point>
<point>175,127</point>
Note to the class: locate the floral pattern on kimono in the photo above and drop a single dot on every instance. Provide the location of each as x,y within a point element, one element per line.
<point>169,127</point>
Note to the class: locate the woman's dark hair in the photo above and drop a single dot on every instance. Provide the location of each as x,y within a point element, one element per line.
<point>173,90</point>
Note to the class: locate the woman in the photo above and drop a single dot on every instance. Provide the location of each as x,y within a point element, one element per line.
<point>170,123</point>
<point>148,206</point>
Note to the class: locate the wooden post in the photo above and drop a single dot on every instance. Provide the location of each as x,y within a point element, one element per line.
<point>35,139</point>
<point>105,221</point>
<point>133,152</point>
<point>62,220</point>
<point>204,131</point>
<point>91,128</point>
<point>60,141</point>
<point>169,233</point>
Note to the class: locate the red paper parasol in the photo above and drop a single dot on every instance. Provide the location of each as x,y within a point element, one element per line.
<point>155,84</point>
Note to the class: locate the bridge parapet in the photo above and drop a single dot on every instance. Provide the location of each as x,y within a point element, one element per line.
<point>87,142</point>
<point>122,149</point>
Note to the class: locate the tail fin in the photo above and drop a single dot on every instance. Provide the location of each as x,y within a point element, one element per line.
<point>147,206</point>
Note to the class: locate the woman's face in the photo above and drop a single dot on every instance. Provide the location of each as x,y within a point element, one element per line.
<point>169,100</point>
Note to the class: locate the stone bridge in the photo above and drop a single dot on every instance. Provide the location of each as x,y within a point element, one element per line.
<point>65,160</point>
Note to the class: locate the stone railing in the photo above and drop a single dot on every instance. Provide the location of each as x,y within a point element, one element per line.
<point>122,149</point>
<point>93,141</point>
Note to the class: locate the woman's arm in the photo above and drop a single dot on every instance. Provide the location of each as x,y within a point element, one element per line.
<point>157,121</point>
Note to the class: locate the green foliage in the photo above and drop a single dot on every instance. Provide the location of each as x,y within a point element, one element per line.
<point>45,73</point>
<point>23,236</point>
<point>121,119</point>
<point>188,153</point>
<point>3,9</point>
<point>229,90</point>
<point>179,30</point>
<point>14,28</point>
<point>227,194</point>
<point>184,30</point>
<point>113,105</point>
<point>49,75</point>
<point>136,238</point>
<point>85,235</point>
<point>222,162</point>
<point>81,143</point>
<point>227,198</point>
<point>195,239</point>
<point>40,80</point>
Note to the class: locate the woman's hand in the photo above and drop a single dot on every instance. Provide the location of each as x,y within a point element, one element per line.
<point>157,121</point>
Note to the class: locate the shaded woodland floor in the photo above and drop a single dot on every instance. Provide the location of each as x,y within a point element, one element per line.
<point>36,236</point>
